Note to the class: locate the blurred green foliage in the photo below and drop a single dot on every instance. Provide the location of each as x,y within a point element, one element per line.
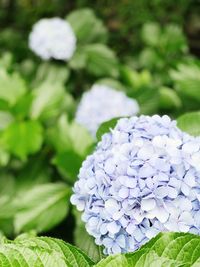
<point>143,48</point>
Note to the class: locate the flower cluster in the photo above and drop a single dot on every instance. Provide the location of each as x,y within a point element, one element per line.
<point>101,104</point>
<point>143,178</point>
<point>53,38</point>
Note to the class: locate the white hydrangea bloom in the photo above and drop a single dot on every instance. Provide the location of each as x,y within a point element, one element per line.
<point>101,104</point>
<point>53,38</point>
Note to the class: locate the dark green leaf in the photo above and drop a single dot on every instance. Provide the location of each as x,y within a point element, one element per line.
<point>68,164</point>
<point>105,127</point>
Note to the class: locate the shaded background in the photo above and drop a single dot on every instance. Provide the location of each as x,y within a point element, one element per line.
<point>123,18</point>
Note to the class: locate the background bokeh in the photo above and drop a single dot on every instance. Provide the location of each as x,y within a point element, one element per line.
<point>147,49</point>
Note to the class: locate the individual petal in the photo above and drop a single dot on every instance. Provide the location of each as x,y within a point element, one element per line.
<point>116,249</point>
<point>130,228</point>
<point>148,204</point>
<point>138,235</point>
<point>111,206</point>
<point>124,192</point>
<point>109,166</point>
<point>113,227</point>
<point>146,152</point>
<point>121,241</point>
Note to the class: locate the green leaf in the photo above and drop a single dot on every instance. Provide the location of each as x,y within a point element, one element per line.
<point>135,80</point>
<point>105,127</point>
<point>41,207</point>
<point>4,157</point>
<point>23,138</point>
<point>187,80</point>
<point>79,59</point>
<point>36,171</point>
<point>101,61</point>
<point>148,99</point>
<point>47,72</point>
<point>151,33</point>
<point>114,261</point>
<point>111,83</point>
<point>7,207</point>
<point>12,87</point>
<point>5,119</point>
<point>41,251</point>
<point>86,242</point>
<point>87,27</point>
<point>49,101</point>
<point>165,250</point>
<point>190,123</point>
<point>169,98</point>
<point>70,136</point>
<point>22,108</point>
<point>68,164</point>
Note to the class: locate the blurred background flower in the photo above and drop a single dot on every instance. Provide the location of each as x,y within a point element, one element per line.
<point>102,103</point>
<point>52,38</point>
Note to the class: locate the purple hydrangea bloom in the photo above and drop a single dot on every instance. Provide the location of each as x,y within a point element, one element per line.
<point>143,178</point>
<point>103,103</point>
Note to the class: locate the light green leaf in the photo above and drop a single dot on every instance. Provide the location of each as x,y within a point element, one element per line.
<point>87,27</point>
<point>150,33</point>
<point>23,138</point>
<point>187,80</point>
<point>79,59</point>
<point>135,80</point>
<point>165,250</point>
<point>4,157</point>
<point>169,98</point>
<point>101,61</point>
<point>41,252</point>
<point>190,123</point>
<point>41,207</point>
<point>105,127</point>
<point>12,87</point>
<point>113,261</point>
<point>5,119</point>
<point>49,101</point>
<point>70,136</point>
<point>47,72</point>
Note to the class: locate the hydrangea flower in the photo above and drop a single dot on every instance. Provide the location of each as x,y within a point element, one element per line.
<point>101,104</point>
<point>143,178</point>
<point>53,38</point>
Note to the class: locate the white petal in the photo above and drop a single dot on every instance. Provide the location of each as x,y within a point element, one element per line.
<point>113,227</point>
<point>124,192</point>
<point>130,228</point>
<point>138,235</point>
<point>172,192</point>
<point>111,206</point>
<point>116,249</point>
<point>146,152</point>
<point>148,204</point>
<point>121,241</point>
